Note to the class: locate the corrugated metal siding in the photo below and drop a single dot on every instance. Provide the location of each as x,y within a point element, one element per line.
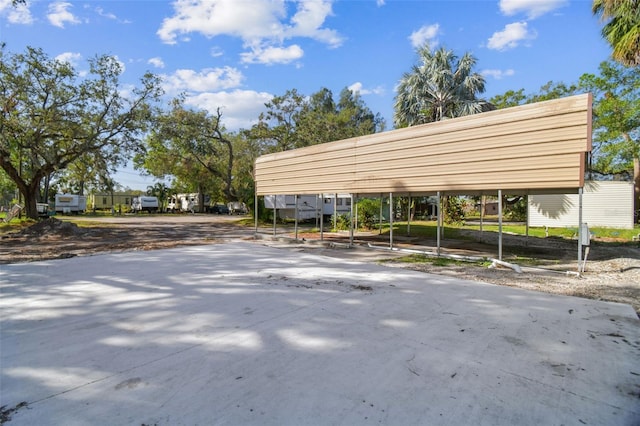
<point>608,204</point>
<point>530,147</point>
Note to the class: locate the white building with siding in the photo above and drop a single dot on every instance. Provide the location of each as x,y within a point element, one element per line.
<point>604,203</point>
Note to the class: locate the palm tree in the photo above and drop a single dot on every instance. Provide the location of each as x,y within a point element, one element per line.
<point>622,30</point>
<point>440,87</point>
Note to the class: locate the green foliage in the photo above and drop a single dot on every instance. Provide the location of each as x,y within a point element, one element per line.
<point>616,114</point>
<point>453,209</point>
<point>53,119</point>
<point>616,124</point>
<point>341,222</point>
<point>517,211</point>
<point>368,210</point>
<point>294,121</point>
<point>622,28</point>
<point>194,147</point>
<point>441,86</point>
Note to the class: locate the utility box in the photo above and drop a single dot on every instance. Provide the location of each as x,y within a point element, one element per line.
<point>585,235</point>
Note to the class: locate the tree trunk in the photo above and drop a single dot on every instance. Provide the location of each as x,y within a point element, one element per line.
<point>30,195</point>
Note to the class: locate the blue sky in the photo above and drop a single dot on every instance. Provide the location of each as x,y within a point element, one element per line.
<point>237,54</point>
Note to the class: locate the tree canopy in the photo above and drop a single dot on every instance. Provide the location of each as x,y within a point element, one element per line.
<point>193,146</point>
<point>622,28</point>
<point>440,86</point>
<point>51,117</point>
<point>294,121</point>
<point>616,115</point>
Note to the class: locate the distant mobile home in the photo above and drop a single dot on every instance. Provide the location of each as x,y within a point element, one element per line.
<point>105,201</point>
<point>309,206</point>
<point>604,203</point>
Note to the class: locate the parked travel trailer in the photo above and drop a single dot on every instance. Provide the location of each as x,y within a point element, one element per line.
<point>144,203</point>
<point>187,202</point>
<point>70,203</point>
<point>237,207</point>
<point>309,206</point>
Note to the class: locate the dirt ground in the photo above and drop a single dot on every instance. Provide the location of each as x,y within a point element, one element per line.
<point>612,270</point>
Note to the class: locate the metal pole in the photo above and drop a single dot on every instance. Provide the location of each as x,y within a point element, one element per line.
<point>579,228</point>
<point>380,218</point>
<point>499,224</point>
<point>526,229</point>
<point>316,207</point>
<point>354,199</point>
<point>409,217</point>
<point>322,218</point>
<point>275,213</point>
<point>438,217</point>
<point>335,212</point>
<point>391,220</point>
<point>295,226</point>
<point>482,204</point>
<point>351,223</point>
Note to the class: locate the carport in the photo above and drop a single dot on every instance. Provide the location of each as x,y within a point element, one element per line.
<point>539,148</point>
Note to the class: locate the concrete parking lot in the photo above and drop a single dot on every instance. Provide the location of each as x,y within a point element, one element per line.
<point>244,333</point>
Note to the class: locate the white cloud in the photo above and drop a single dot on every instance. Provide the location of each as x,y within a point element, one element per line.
<point>532,8</point>
<point>59,15</point>
<point>71,58</point>
<point>156,62</point>
<point>308,20</point>
<point>240,108</point>
<point>100,11</point>
<point>426,34</point>
<point>273,55</point>
<point>19,14</point>
<point>511,36</point>
<point>208,79</point>
<point>260,24</point>
<point>216,51</point>
<point>357,87</point>
<point>380,3</point>
<point>498,74</point>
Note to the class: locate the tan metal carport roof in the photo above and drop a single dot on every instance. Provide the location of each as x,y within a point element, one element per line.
<point>537,147</point>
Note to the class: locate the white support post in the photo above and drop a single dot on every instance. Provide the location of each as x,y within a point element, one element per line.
<point>391,220</point>
<point>482,204</point>
<point>322,217</point>
<point>579,229</point>
<point>295,226</point>
<point>500,224</point>
<point>380,218</point>
<point>409,218</point>
<point>335,212</point>
<point>351,223</point>
<point>275,212</point>
<point>438,220</point>
<point>316,207</point>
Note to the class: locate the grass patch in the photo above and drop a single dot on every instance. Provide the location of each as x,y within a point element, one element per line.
<point>428,229</point>
<point>438,261</point>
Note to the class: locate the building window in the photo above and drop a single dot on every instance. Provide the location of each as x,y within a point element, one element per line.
<point>104,201</point>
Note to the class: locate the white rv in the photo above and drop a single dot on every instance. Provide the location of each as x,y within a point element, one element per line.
<point>187,202</point>
<point>310,207</point>
<point>144,203</point>
<point>70,203</point>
